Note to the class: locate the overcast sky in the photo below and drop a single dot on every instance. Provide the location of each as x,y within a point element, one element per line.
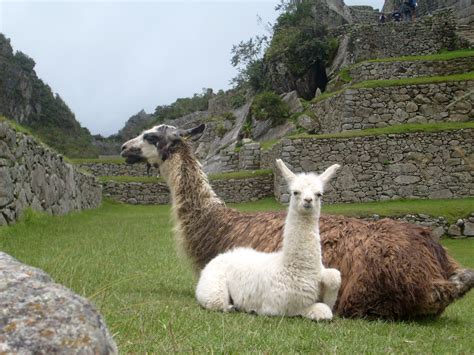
<point>110,59</point>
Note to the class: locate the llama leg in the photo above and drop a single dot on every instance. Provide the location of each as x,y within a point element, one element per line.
<point>318,312</point>
<point>331,282</point>
<point>212,293</point>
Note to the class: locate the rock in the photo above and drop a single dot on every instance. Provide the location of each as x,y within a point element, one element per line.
<point>406,179</point>
<point>277,132</point>
<point>293,102</point>
<point>318,92</point>
<point>454,230</point>
<point>460,222</point>
<point>444,193</point>
<point>307,122</point>
<point>3,221</point>
<point>285,198</point>
<point>469,229</point>
<point>411,107</point>
<point>6,187</point>
<point>40,316</point>
<point>437,233</point>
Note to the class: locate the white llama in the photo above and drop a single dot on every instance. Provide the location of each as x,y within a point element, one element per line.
<point>291,282</point>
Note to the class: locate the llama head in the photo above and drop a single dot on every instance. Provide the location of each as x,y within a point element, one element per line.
<point>157,144</point>
<point>306,189</point>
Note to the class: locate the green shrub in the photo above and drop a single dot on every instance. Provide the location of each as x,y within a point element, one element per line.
<point>220,129</point>
<point>269,106</point>
<point>229,116</point>
<point>238,100</point>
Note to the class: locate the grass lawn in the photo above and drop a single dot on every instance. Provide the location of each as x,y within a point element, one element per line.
<point>122,257</point>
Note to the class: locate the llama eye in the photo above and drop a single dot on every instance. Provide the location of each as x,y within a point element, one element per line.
<point>296,193</point>
<point>319,194</point>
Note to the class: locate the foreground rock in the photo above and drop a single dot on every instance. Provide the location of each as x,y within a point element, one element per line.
<point>40,316</point>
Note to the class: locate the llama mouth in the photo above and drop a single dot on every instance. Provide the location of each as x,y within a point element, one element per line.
<point>134,159</point>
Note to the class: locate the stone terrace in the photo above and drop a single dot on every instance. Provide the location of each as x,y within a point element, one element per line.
<point>413,165</point>
<point>385,106</point>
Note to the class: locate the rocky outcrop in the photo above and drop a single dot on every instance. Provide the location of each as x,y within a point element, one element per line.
<point>42,317</point>
<point>135,125</point>
<point>26,99</point>
<point>34,176</point>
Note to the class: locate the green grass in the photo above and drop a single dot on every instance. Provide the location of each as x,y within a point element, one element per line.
<point>243,174</point>
<point>448,55</point>
<point>413,81</point>
<point>122,257</point>
<point>369,84</point>
<point>267,145</point>
<point>17,127</point>
<point>395,129</point>
<point>117,160</point>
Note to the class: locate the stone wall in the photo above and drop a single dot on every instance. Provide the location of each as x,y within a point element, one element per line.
<point>427,35</point>
<point>383,106</point>
<point>364,14</point>
<point>409,69</point>
<point>249,156</point>
<point>32,175</point>
<point>231,190</point>
<point>414,165</point>
<point>110,169</point>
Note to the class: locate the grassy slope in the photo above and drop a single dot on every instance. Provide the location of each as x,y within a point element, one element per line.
<point>122,257</point>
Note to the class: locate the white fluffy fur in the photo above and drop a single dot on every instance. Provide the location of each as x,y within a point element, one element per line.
<point>292,282</point>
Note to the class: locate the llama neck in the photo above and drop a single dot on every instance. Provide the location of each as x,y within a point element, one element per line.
<point>301,241</point>
<point>191,194</point>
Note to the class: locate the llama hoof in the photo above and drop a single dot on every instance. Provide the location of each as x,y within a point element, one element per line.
<point>230,308</point>
<point>320,312</point>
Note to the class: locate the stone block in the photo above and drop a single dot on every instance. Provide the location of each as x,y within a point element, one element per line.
<point>468,228</point>
<point>46,317</point>
<point>454,230</point>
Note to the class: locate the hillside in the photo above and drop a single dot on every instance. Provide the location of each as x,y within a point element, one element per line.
<point>27,100</point>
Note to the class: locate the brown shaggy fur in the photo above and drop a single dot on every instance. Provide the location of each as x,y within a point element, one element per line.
<point>389,269</point>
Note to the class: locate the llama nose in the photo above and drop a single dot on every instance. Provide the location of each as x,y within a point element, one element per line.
<point>308,199</point>
<point>123,147</point>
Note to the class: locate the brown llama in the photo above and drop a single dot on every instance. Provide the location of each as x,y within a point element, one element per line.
<point>390,269</point>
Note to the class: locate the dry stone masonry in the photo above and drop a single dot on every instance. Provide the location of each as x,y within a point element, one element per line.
<point>32,175</point>
<point>42,317</point>
<point>427,35</point>
<point>230,190</point>
<point>118,169</point>
<point>374,168</point>
<point>355,109</point>
<point>401,69</point>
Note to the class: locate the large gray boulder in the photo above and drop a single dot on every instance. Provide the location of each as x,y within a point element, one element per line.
<point>42,317</point>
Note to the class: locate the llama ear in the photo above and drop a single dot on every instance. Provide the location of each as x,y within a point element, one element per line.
<point>287,173</point>
<point>193,133</point>
<point>329,173</point>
